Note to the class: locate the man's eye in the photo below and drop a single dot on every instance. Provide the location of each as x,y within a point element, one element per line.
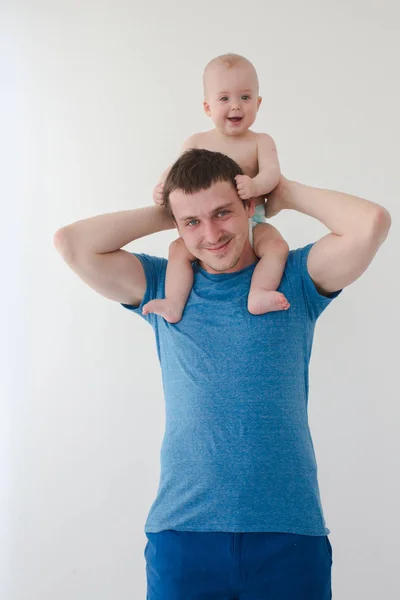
<point>223,212</point>
<point>190,223</point>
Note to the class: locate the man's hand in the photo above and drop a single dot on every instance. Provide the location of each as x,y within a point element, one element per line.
<point>245,187</point>
<point>158,194</point>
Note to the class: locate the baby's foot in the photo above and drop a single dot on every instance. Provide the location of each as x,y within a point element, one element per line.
<point>165,308</point>
<point>262,301</point>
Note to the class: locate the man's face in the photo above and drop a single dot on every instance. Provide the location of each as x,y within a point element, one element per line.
<point>214,226</point>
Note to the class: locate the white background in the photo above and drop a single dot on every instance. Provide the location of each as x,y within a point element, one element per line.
<point>97,98</point>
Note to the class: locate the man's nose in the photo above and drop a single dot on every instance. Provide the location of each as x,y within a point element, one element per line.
<point>212,233</point>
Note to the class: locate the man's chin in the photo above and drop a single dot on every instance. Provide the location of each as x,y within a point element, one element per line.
<point>220,266</point>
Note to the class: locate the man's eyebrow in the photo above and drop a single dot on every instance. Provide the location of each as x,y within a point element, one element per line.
<point>215,210</point>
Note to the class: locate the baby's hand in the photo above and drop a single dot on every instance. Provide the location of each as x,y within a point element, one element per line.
<point>245,187</point>
<point>158,194</point>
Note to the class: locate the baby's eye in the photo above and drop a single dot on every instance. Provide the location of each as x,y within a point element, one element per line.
<point>245,97</point>
<point>224,98</point>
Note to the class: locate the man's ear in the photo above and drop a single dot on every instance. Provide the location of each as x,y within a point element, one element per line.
<point>249,207</point>
<point>259,100</point>
<point>206,107</point>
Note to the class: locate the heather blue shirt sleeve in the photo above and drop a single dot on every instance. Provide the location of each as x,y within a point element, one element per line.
<point>315,302</point>
<point>154,269</point>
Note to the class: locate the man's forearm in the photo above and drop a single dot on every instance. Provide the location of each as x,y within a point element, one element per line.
<point>110,232</point>
<point>342,213</point>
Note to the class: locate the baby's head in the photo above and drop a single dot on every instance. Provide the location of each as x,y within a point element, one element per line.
<point>231,93</point>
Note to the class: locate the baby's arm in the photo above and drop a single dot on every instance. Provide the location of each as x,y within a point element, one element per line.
<point>269,170</point>
<point>158,190</point>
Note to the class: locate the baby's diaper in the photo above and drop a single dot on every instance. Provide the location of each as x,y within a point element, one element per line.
<point>258,217</point>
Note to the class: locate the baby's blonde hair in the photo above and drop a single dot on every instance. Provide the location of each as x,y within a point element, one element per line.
<point>229,61</point>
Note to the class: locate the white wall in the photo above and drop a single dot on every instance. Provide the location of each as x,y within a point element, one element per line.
<point>98,97</point>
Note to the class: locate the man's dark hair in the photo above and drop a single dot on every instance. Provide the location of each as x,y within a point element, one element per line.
<point>199,169</point>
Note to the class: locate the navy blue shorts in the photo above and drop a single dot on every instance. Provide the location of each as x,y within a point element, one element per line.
<point>186,565</point>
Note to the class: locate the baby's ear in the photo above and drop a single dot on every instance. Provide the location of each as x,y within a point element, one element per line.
<point>206,107</point>
<point>259,100</point>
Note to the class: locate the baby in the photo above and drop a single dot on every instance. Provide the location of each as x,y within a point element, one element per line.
<point>232,101</point>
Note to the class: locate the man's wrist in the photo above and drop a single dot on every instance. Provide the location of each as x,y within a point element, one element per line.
<point>164,218</point>
<point>286,188</point>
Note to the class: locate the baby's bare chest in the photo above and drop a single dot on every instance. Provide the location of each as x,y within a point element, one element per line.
<point>244,153</point>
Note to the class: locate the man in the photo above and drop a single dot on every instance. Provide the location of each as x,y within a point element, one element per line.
<point>238,511</point>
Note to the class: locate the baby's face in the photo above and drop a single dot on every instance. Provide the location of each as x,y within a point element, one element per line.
<point>231,98</point>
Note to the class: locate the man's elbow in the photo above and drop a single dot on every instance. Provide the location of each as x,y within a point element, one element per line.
<point>380,224</point>
<point>62,243</point>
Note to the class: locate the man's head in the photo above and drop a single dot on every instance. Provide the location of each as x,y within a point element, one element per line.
<point>201,195</point>
<point>231,93</point>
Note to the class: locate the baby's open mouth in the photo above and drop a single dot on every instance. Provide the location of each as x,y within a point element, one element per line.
<point>235,119</point>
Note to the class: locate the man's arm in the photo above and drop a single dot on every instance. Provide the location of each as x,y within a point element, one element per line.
<point>358,228</point>
<point>91,248</point>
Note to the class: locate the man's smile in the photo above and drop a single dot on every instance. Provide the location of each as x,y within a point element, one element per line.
<point>217,249</point>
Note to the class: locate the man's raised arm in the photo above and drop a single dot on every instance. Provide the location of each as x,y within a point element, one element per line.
<point>358,228</point>
<point>92,248</point>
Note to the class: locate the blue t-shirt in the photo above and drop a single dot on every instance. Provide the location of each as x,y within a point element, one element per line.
<point>237,453</point>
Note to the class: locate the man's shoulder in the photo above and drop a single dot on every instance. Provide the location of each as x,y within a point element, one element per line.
<point>154,269</point>
<point>151,264</point>
<point>297,257</point>
<point>297,271</point>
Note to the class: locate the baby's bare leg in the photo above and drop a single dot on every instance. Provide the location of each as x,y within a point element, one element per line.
<point>273,251</point>
<point>178,284</point>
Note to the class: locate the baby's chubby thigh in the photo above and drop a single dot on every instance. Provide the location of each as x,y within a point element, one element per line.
<point>266,239</point>
<point>178,251</point>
